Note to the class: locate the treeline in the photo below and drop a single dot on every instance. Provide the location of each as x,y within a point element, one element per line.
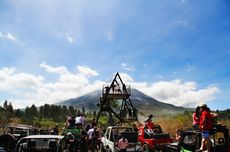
<point>54,113</point>
<point>224,114</point>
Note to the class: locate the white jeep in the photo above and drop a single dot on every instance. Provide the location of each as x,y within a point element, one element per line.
<point>112,135</point>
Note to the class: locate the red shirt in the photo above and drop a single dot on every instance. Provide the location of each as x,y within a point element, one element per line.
<point>149,124</point>
<point>205,121</point>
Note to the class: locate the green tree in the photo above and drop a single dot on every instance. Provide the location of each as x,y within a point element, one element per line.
<point>47,112</point>
<point>28,115</point>
<point>18,113</point>
<point>83,110</point>
<point>64,110</point>
<point>10,111</point>
<point>33,111</point>
<point>5,104</point>
<point>71,110</point>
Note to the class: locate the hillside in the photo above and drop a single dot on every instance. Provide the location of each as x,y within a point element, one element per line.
<point>140,100</point>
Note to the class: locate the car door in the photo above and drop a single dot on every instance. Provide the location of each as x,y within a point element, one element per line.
<point>109,141</point>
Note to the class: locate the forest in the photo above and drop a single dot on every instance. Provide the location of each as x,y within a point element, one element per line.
<point>49,115</point>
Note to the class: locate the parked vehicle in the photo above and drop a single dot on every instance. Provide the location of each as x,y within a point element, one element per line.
<point>10,134</point>
<point>72,136</point>
<point>112,135</point>
<point>18,131</point>
<point>190,140</point>
<point>154,140</point>
<point>41,143</point>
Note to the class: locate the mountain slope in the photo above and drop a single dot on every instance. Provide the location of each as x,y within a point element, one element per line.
<point>139,100</point>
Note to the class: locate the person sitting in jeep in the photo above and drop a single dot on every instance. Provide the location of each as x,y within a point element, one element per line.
<point>70,122</point>
<point>122,144</point>
<point>149,123</point>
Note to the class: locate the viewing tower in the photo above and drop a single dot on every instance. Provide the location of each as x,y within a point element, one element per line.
<point>115,101</point>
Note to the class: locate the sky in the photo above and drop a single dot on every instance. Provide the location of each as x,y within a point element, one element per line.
<point>176,51</point>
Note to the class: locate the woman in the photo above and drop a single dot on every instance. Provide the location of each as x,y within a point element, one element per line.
<point>196,118</point>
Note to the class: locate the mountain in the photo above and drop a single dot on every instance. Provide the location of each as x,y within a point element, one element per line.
<point>139,100</point>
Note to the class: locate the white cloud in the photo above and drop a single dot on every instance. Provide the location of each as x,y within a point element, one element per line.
<point>127,67</point>
<point>59,70</point>
<point>28,89</point>
<point>87,71</point>
<point>178,93</point>
<point>25,89</point>
<point>10,79</point>
<point>8,36</point>
<point>70,39</point>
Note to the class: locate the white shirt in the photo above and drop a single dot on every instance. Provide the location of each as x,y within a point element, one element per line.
<point>90,133</point>
<point>79,120</point>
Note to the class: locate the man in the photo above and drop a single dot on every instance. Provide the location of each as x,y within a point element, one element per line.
<point>149,123</point>
<point>79,120</point>
<point>205,127</point>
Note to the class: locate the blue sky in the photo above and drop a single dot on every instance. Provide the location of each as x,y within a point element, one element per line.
<point>176,51</point>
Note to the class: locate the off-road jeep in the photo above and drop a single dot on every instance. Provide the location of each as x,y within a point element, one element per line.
<point>190,140</point>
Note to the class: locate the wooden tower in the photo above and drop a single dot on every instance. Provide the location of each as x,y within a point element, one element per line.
<point>117,91</point>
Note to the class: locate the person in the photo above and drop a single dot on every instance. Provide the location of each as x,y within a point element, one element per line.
<point>124,89</point>
<point>93,123</point>
<point>82,119</point>
<point>205,127</point>
<point>196,118</point>
<point>70,122</point>
<point>70,141</point>
<point>148,123</point>
<point>178,134</point>
<point>55,129</point>
<point>122,144</point>
<point>90,132</point>
<point>79,120</point>
<point>88,127</point>
<point>92,138</point>
<point>83,142</point>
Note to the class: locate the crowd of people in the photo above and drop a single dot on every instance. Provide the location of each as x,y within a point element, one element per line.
<point>202,121</point>
<point>89,134</point>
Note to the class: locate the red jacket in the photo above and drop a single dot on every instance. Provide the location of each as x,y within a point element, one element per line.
<point>205,121</point>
